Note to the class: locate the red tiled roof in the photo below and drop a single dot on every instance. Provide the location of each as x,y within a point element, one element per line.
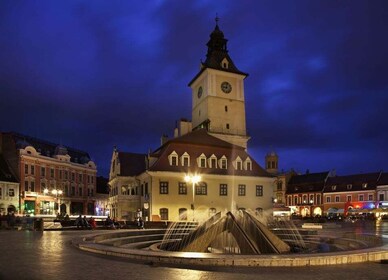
<point>200,142</point>
<point>356,180</point>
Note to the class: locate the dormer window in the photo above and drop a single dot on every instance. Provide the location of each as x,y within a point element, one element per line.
<point>223,163</point>
<point>173,159</point>
<point>364,185</point>
<point>225,63</point>
<point>238,164</point>
<point>248,164</point>
<point>333,188</point>
<point>212,161</point>
<point>185,159</point>
<point>349,187</point>
<point>201,161</point>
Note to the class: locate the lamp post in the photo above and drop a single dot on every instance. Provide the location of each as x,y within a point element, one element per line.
<point>56,193</point>
<point>194,179</point>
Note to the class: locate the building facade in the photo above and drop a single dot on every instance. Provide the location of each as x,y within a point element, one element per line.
<point>53,178</point>
<point>9,189</point>
<point>304,195</point>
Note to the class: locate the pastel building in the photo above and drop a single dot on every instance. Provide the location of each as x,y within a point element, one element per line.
<point>53,178</point>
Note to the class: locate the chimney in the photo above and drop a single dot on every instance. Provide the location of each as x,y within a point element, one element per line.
<point>163,139</point>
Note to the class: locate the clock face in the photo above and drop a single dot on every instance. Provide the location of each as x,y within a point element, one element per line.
<point>200,92</point>
<point>226,87</point>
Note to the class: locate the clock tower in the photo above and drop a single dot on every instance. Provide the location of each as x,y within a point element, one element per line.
<point>218,102</point>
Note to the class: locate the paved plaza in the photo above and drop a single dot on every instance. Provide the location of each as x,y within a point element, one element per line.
<point>50,255</point>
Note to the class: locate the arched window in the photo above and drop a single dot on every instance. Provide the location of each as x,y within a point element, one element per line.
<point>183,214</point>
<point>163,212</point>
<point>212,212</point>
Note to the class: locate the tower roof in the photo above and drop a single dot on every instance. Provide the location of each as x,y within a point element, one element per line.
<point>217,52</point>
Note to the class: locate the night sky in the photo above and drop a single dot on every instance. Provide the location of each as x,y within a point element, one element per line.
<point>95,74</point>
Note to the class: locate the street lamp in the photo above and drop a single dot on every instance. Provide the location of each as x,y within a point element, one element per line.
<point>56,193</point>
<point>194,179</point>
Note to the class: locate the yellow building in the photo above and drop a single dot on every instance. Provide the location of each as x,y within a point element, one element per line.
<point>205,168</point>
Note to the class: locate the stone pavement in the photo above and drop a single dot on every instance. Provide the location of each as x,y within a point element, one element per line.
<point>50,255</point>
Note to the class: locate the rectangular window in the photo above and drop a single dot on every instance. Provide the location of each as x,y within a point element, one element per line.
<point>361,198</point>
<point>201,189</point>
<point>72,190</point>
<point>174,161</point>
<point>72,176</point>
<point>88,179</point>
<point>319,199</point>
<point>92,179</point>
<point>381,197</point>
<point>328,199</point>
<point>348,198</point>
<point>43,171</point>
<point>32,170</point>
<point>163,187</point>
<point>337,198</point>
<point>11,192</point>
<point>60,174</point>
<point>241,190</point>
<point>239,165</point>
<point>259,192</point>
<point>26,186</point>
<point>26,169</point>
<point>32,186</point>
<point>370,197</point>
<point>186,161</point>
<point>66,175</point>
<point>203,162</point>
<point>295,199</point>
<point>52,172</point>
<point>223,189</point>
<point>80,191</point>
<point>249,166</point>
<point>223,164</point>
<point>213,163</point>
<point>182,188</point>
<point>80,177</point>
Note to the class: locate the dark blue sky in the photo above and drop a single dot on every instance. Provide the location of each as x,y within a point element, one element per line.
<point>94,74</point>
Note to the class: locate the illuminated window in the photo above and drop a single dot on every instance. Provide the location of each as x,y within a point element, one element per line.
<point>11,192</point>
<point>361,197</point>
<point>223,189</point>
<point>163,187</point>
<point>183,214</point>
<point>212,211</point>
<point>333,188</point>
<point>182,188</point>
<point>201,188</point>
<point>364,185</point>
<point>163,212</point>
<point>259,190</point>
<point>348,198</point>
<point>241,190</point>
<point>328,199</point>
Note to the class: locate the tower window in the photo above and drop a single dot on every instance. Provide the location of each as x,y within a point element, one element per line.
<point>227,126</point>
<point>226,108</point>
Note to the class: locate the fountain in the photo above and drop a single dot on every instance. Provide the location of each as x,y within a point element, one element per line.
<point>242,239</point>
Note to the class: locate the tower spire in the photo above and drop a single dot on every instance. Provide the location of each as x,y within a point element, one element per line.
<point>217,19</point>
